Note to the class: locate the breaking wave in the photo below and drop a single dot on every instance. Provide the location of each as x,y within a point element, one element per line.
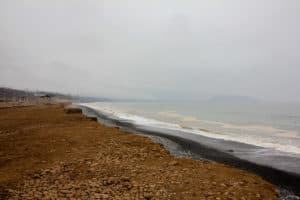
<point>271,142</point>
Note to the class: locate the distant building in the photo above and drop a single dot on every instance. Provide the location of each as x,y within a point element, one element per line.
<point>43,96</point>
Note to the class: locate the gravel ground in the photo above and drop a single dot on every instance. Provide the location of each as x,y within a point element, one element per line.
<point>46,153</point>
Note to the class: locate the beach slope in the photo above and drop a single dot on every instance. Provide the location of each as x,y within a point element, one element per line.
<point>46,153</point>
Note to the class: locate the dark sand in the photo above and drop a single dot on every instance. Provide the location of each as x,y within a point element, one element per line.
<point>46,153</point>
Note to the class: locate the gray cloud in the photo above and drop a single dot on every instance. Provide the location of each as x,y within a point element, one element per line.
<point>153,49</point>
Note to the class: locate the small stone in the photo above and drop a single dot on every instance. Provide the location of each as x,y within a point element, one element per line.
<point>173,163</point>
<point>258,195</point>
<point>125,178</point>
<point>65,191</point>
<point>147,196</point>
<point>36,176</point>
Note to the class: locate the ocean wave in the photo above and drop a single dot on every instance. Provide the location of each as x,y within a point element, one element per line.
<point>264,142</point>
<point>264,129</point>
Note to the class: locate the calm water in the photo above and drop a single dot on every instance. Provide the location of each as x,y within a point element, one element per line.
<point>269,125</point>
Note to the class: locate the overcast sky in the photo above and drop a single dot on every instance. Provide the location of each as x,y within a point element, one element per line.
<point>154,49</point>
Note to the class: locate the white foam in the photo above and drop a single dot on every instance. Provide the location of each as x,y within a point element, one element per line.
<point>248,139</point>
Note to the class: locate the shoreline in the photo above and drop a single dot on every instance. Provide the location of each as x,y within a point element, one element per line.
<point>106,162</point>
<point>198,151</point>
<point>286,181</point>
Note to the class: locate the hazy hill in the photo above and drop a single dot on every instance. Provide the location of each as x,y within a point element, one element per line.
<point>9,94</point>
<point>232,99</point>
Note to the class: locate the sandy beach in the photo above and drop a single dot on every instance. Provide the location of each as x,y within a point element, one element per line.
<point>46,153</point>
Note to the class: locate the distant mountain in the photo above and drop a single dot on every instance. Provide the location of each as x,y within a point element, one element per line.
<point>9,94</point>
<point>232,99</point>
<point>90,99</point>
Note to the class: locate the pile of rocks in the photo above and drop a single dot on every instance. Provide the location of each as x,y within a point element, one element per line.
<point>84,180</point>
<point>72,109</point>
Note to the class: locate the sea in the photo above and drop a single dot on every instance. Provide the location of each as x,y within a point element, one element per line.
<point>263,133</point>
